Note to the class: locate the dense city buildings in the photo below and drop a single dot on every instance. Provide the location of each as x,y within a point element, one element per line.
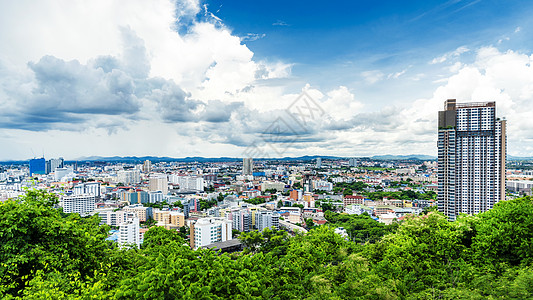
<point>471,158</point>
<point>288,195</point>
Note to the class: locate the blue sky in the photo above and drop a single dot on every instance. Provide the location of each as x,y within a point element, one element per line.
<point>208,78</point>
<point>374,32</point>
<point>332,43</point>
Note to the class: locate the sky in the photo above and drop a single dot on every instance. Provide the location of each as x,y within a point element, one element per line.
<point>255,78</point>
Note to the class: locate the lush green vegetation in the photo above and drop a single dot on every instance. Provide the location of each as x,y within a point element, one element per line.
<point>402,195</point>
<point>349,188</point>
<point>204,204</point>
<point>360,228</point>
<point>257,200</point>
<point>45,254</point>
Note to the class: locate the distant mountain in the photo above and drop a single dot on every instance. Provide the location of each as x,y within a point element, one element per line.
<point>404,157</point>
<point>510,157</point>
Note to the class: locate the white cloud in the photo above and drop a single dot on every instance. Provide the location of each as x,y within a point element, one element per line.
<point>453,54</point>
<point>373,76</point>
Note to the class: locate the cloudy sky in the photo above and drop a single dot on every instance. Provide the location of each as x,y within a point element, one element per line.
<point>259,78</point>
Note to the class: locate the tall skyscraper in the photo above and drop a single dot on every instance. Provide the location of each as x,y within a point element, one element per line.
<point>471,158</point>
<point>247,166</point>
<point>37,166</point>
<point>147,166</point>
<point>53,164</point>
<point>319,162</point>
<point>159,182</point>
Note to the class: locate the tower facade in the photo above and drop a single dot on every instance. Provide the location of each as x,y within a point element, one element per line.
<point>471,158</point>
<point>247,166</point>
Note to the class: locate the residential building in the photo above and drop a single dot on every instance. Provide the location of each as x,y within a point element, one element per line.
<point>471,158</point>
<point>351,199</point>
<point>141,212</point>
<point>520,186</point>
<point>266,219</point>
<point>247,166</point>
<point>241,220</point>
<point>137,197</point>
<point>207,231</point>
<point>129,235</point>
<point>112,218</point>
<point>128,177</point>
<point>147,166</point>
<point>81,204</point>
<point>188,183</point>
<point>357,209</point>
<point>159,182</point>
<point>54,163</point>
<point>90,188</point>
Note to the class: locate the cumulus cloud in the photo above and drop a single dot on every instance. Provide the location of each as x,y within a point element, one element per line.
<point>182,81</point>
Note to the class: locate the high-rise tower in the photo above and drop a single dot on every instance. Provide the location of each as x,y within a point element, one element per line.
<point>471,158</point>
<point>247,166</point>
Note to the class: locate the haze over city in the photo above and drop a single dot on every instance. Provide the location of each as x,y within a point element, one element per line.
<point>206,78</point>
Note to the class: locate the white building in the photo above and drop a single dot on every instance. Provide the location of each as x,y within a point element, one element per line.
<point>113,218</point>
<point>266,219</point>
<point>247,166</point>
<point>128,177</point>
<point>241,220</point>
<point>210,230</point>
<point>357,209</point>
<point>81,204</point>
<point>323,185</point>
<point>471,158</point>
<point>159,182</point>
<point>90,188</point>
<point>155,197</point>
<point>129,234</point>
<point>188,183</point>
<point>61,173</point>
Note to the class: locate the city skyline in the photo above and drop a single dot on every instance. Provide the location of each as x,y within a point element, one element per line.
<point>189,78</point>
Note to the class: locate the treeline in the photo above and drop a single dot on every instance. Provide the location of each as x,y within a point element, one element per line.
<point>49,255</point>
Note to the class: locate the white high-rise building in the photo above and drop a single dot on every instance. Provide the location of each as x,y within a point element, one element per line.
<point>91,188</point>
<point>53,164</point>
<point>241,220</point>
<point>471,158</point>
<point>159,182</point>
<point>266,219</point>
<point>113,218</point>
<point>81,204</point>
<point>147,166</point>
<point>129,176</point>
<point>188,183</point>
<point>247,166</point>
<point>210,230</point>
<point>319,162</point>
<point>129,234</point>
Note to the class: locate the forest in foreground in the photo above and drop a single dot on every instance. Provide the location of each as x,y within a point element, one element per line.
<point>46,254</point>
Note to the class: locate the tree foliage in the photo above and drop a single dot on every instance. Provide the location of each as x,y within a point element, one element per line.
<point>50,255</point>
